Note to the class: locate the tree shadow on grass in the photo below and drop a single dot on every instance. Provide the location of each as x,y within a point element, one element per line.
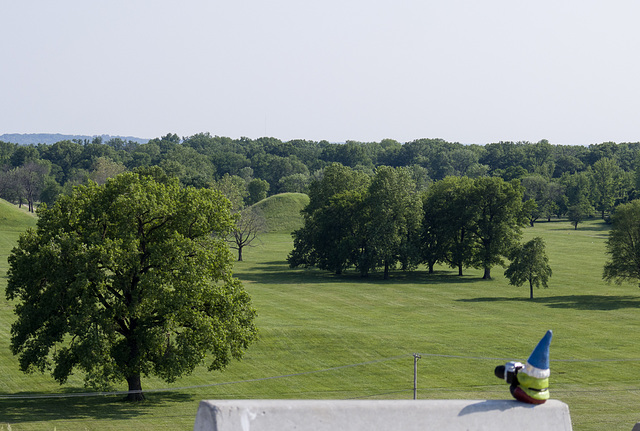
<point>437,277</point>
<point>108,407</point>
<point>278,272</point>
<point>601,229</point>
<point>588,227</point>
<point>576,302</point>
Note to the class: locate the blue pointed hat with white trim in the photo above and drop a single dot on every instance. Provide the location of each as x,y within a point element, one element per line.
<point>539,359</point>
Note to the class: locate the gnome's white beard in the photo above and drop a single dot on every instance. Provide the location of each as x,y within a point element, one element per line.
<point>537,373</point>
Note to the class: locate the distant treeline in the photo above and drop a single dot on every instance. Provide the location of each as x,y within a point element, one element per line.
<point>52,138</point>
<point>557,177</point>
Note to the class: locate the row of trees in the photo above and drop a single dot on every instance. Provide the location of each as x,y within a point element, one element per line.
<point>579,179</point>
<point>383,221</point>
<point>599,189</point>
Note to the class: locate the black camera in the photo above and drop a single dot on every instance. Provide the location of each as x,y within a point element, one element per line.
<point>509,371</point>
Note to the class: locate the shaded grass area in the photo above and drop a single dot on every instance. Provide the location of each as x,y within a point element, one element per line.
<point>324,336</point>
<point>582,302</point>
<point>108,413</point>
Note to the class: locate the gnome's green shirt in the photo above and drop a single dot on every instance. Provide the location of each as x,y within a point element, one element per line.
<point>538,389</point>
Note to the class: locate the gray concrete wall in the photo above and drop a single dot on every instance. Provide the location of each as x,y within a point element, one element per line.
<point>405,415</point>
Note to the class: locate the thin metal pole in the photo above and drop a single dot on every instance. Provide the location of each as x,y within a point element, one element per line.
<point>415,375</point>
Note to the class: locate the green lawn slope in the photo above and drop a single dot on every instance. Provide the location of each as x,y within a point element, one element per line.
<point>13,218</point>
<point>323,336</point>
<point>282,211</point>
<point>13,221</point>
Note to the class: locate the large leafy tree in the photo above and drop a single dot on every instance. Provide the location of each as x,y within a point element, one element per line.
<point>331,237</point>
<point>623,244</point>
<point>257,190</point>
<point>605,173</point>
<point>449,216</point>
<point>536,190</point>
<point>125,280</point>
<point>393,222</point>
<point>529,263</point>
<point>500,217</point>
<point>579,211</point>
<point>433,237</point>
<point>578,196</point>
<point>339,230</point>
<point>556,202</point>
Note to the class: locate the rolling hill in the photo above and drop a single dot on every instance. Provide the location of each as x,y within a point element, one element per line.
<point>282,211</point>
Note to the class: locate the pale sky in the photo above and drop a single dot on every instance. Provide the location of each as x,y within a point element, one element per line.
<point>462,70</point>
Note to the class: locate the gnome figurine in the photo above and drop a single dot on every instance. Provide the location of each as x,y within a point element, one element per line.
<point>529,382</point>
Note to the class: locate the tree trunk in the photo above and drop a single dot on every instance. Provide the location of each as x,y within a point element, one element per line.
<point>487,274</point>
<point>386,270</point>
<point>460,269</point>
<point>239,254</point>
<point>530,289</point>
<point>133,379</point>
<point>135,388</point>
<point>430,267</point>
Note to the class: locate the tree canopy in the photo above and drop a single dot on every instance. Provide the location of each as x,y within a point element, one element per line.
<point>331,237</point>
<point>500,217</point>
<point>128,279</point>
<point>392,220</point>
<point>354,219</point>
<point>449,218</point>
<point>623,244</point>
<point>529,263</point>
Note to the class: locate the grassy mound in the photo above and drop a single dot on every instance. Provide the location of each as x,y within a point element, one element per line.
<point>282,211</point>
<point>13,218</point>
<point>13,221</point>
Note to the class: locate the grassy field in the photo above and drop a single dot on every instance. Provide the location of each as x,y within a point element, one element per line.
<point>323,336</point>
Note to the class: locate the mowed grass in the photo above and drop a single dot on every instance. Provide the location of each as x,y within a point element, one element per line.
<point>282,211</point>
<point>323,336</point>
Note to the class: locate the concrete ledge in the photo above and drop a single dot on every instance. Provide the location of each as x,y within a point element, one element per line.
<point>405,415</point>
